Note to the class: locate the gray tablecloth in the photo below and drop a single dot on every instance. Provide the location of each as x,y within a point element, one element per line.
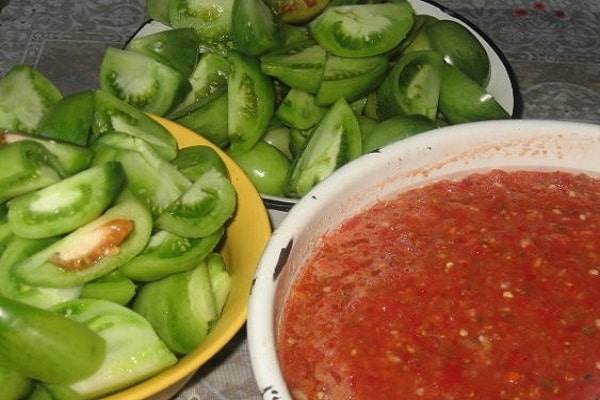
<point>553,47</point>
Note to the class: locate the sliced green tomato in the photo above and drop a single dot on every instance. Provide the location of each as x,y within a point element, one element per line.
<point>120,291</point>
<point>91,251</point>
<point>460,48</point>
<point>266,166</point>
<point>158,10</point>
<point>299,139</point>
<point>142,81</point>
<point>114,114</point>
<point>69,119</point>
<point>155,181</point>
<point>70,158</point>
<point>279,137</point>
<point>417,38</point>
<point>362,30</point>
<point>168,253</point>
<point>412,86</point>
<point>209,77</point>
<point>350,78</point>
<point>464,100</point>
<point>211,19</point>
<point>14,385</point>
<point>220,279</point>
<point>66,205</point>
<point>255,30</point>
<point>43,345</point>
<point>209,118</point>
<point>177,48</point>
<point>335,141</point>
<point>394,129</point>
<point>25,97</point>
<point>299,65</point>
<point>300,110</point>
<point>180,307</point>
<point>193,161</point>
<point>133,350</point>
<point>250,102</point>
<point>300,11</point>
<point>24,166</point>
<point>202,209</point>
<point>18,250</point>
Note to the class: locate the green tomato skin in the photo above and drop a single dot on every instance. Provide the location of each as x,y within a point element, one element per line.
<point>43,345</point>
<point>394,129</point>
<point>266,166</point>
<point>464,100</point>
<point>69,119</point>
<point>180,307</point>
<point>14,385</point>
<point>255,30</point>
<point>362,30</point>
<point>460,48</point>
<point>193,161</point>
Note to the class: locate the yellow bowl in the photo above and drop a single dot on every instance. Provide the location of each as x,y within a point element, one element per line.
<point>246,238</point>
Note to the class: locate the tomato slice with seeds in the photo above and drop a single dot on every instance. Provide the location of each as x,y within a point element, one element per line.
<point>362,30</point>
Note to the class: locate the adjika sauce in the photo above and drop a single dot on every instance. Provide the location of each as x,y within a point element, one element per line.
<point>483,288</point>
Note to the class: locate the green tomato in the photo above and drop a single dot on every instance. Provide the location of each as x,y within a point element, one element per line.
<point>300,11</point>
<point>362,30</point>
<point>394,129</point>
<point>266,167</point>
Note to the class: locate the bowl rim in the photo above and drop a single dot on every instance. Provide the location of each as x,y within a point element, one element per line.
<point>261,318</point>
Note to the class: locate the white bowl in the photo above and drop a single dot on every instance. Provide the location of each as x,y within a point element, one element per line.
<point>444,153</point>
<point>502,85</point>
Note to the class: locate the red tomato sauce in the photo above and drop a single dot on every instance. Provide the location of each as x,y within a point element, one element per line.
<point>482,288</point>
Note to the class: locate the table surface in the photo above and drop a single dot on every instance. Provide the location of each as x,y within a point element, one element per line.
<point>553,47</point>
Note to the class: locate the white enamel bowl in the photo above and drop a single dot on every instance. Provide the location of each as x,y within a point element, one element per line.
<point>444,153</point>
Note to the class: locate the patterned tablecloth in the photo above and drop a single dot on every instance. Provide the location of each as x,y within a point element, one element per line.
<point>553,47</point>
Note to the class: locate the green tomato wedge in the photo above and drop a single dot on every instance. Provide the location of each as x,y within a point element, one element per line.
<point>70,119</point>
<point>250,102</point>
<point>168,253</point>
<point>299,11</point>
<point>177,48</point>
<point>24,166</point>
<point>180,307</point>
<point>278,136</point>
<point>66,205</point>
<point>25,97</point>
<point>70,158</point>
<point>460,48</point>
<point>299,65</point>
<point>18,250</point>
<point>334,142</point>
<point>114,114</point>
<point>300,110</point>
<point>44,345</point>
<point>202,209</point>
<point>266,166</point>
<point>158,10</point>
<point>464,100</point>
<point>220,279</point>
<point>91,251</point>
<point>154,180</point>
<point>133,350</point>
<point>208,78</point>
<point>350,78</point>
<point>255,30</point>
<point>412,86</point>
<point>394,129</point>
<point>120,290</point>
<point>14,385</point>
<point>142,81</point>
<point>211,19</point>
<point>193,161</point>
<point>362,30</point>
